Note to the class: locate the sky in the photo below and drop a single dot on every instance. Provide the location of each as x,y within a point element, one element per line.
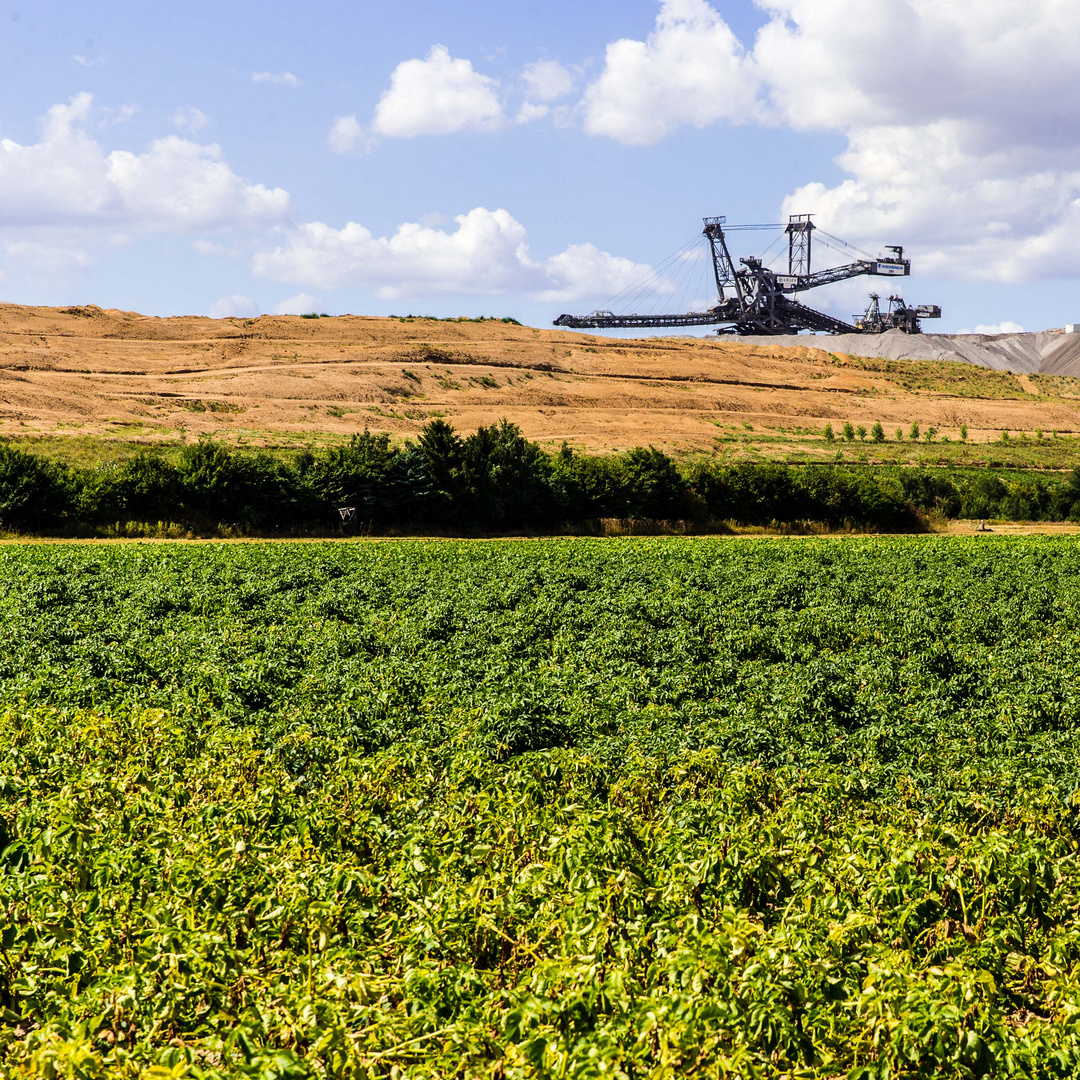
<point>483,158</point>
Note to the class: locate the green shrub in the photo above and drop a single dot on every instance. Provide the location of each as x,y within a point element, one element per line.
<point>34,493</point>
<point>653,485</point>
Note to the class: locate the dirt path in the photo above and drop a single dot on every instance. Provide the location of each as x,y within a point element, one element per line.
<point>952,528</point>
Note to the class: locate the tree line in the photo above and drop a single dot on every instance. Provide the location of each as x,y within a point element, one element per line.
<point>493,480</point>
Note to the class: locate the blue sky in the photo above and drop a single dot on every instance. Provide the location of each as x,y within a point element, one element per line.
<point>533,158</point>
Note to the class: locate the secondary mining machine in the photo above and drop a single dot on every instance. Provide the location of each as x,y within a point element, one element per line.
<point>754,299</point>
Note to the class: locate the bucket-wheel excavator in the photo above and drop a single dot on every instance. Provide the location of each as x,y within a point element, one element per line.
<point>754,299</point>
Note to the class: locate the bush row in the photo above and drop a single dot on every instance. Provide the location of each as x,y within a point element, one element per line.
<point>492,480</point>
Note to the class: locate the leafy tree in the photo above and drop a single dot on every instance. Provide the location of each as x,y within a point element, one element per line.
<point>983,496</point>
<point>654,487</point>
<point>1068,496</point>
<point>930,490</point>
<point>34,492</point>
<point>506,477</point>
<point>146,488</point>
<point>877,432</point>
<point>360,473</point>
<point>588,486</point>
<point>443,451</point>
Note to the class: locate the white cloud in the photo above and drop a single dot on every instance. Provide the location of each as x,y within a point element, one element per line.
<point>995,328</point>
<point>191,120</point>
<point>963,136</point>
<point>486,255</point>
<point>235,307</point>
<point>184,186</point>
<point>277,78</point>
<point>177,185</point>
<point>969,204</point>
<point>439,95</point>
<point>963,144</point>
<point>47,258</point>
<point>547,81</point>
<point>346,135</point>
<point>300,304</point>
<point>829,66</point>
<point>691,70</point>
<point>530,111</point>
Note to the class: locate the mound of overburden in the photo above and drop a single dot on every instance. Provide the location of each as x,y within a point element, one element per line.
<point>1049,352</point>
<point>288,379</point>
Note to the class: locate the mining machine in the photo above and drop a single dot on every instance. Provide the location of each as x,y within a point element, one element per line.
<point>754,299</point>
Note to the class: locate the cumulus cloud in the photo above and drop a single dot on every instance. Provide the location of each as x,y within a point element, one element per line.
<point>828,66</point>
<point>300,304</point>
<point>823,65</point>
<point>185,186</point>
<point>963,138</point>
<point>530,111</point>
<point>691,70</point>
<point>439,95</point>
<point>235,307</point>
<point>177,185</point>
<point>547,81</point>
<point>276,78</point>
<point>963,143</point>
<point>486,255</point>
<point>971,204</point>
<point>347,135</point>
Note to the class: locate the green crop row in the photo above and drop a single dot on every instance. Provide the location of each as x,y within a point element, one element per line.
<point>650,808</point>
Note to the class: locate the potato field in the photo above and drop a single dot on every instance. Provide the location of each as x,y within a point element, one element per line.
<point>639,808</point>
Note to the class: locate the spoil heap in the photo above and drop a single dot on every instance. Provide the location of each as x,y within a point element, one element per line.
<point>1049,352</point>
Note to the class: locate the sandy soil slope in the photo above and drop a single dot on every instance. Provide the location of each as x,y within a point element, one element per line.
<point>278,379</point>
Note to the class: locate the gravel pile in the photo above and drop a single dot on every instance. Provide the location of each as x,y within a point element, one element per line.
<point>1051,352</point>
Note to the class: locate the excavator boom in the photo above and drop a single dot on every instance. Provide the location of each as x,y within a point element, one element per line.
<point>760,300</point>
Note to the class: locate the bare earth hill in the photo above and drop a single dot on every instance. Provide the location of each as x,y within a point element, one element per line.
<point>280,380</point>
